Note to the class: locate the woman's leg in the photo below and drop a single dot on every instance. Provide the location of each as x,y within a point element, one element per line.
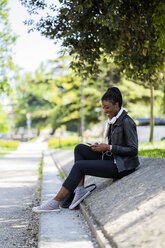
<point>98,168</point>
<point>79,170</point>
<point>84,152</point>
<point>63,192</point>
<point>81,152</point>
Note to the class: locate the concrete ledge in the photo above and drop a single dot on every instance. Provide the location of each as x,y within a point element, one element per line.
<point>130,211</point>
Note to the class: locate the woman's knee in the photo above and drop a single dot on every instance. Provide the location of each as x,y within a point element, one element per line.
<point>81,152</point>
<point>80,149</point>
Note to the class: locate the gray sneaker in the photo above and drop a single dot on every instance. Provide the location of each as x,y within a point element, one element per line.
<point>50,206</point>
<point>80,195</point>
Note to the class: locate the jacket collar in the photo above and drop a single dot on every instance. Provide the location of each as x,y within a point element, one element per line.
<point>120,119</point>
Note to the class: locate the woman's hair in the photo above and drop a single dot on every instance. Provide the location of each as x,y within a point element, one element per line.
<point>113,95</point>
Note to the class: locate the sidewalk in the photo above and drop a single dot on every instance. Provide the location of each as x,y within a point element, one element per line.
<point>18,182</point>
<point>129,212</point>
<point>64,229</point>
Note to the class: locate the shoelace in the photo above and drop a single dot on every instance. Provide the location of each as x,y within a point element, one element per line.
<point>79,192</point>
<point>47,204</point>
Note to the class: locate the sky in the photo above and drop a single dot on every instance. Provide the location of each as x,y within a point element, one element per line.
<point>31,48</point>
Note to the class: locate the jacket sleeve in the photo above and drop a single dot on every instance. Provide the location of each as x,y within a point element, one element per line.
<point>131,140</point>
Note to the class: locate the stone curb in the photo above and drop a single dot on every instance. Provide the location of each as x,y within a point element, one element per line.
<point>103,242</point>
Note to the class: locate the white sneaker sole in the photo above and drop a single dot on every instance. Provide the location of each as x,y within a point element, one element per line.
<point>46,211</point>
<point>80,200</point>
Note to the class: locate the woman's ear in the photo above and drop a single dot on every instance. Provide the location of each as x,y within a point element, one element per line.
<point>117,105</point>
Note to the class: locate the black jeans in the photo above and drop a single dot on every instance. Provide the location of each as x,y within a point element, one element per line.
<point>88,162</point>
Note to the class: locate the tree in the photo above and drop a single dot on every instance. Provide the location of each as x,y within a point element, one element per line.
<point>130,32</point>
<point>127,30</point>
<point>7,39</point>
<point>52,96</point>
<point>68,99</point>
<point>32,96</point>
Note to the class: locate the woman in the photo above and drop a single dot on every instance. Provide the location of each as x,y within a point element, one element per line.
<point>117,158</point>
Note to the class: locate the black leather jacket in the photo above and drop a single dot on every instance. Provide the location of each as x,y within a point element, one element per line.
<point>124,142</point>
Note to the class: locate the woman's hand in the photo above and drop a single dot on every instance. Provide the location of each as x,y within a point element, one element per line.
<point>100,147</point>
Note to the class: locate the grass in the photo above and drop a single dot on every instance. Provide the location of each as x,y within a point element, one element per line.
<point>147,149</point>
<point>69,147</point>
<point>2,154</point>
<point>156,149</point>
<point>61,174</point>
<point>40,172</point>
<point>8,149</point>
<point>33,139</point>
<point>67,143</point>
<point>11,144</point>
<point>8,146</point>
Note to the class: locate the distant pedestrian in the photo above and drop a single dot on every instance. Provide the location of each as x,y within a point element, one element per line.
<point>21,132</point>
<point>114,159</point>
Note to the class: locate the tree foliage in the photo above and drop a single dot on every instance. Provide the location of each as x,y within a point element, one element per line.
<point>53,97</point>
<point>32,96</point>
<point>131,32</point>
<point>7,39</point>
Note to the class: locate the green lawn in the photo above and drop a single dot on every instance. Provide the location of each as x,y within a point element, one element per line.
<point>69,147</point>
<point>8,146</point>
<point>157,149</point>
<point>5,150</point>
<point>2,154</point>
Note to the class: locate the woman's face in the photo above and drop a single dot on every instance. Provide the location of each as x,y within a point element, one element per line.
<point>110,109</point>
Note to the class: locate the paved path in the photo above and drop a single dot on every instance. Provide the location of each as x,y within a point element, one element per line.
<point>18,181</point>
<point>64,229</point>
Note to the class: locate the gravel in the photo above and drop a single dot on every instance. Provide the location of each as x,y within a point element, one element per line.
<point>32,229</point>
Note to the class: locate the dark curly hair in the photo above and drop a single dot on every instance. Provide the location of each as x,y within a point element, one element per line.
<point>113,95</point>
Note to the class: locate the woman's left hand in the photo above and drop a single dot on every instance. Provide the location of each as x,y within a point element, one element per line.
<point>100,147</point>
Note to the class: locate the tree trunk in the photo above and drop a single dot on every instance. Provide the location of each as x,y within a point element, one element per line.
<point>152,114</point>
<point>38,132</point>
<point>82,112</point>
<point>102,112</point>
<point>164,98</point>
<point>53,131</point>
<point>79,128</point>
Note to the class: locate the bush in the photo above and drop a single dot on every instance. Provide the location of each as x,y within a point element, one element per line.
<point>61,143</point>
<point>9,144</point>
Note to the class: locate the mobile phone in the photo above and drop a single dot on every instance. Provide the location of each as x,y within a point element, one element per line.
<point>88,143</point>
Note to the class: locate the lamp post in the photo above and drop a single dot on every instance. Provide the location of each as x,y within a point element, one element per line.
<point>28,122</point>
<point>82,111</point>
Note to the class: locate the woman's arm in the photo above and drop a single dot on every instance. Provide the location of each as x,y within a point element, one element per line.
<point>131,140</point>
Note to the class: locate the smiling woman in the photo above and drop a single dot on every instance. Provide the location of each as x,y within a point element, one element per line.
<point>114,159</point>
<point>112,102</point>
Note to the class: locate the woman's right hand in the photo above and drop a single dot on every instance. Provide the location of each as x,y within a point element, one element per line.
<point>100,147</point>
